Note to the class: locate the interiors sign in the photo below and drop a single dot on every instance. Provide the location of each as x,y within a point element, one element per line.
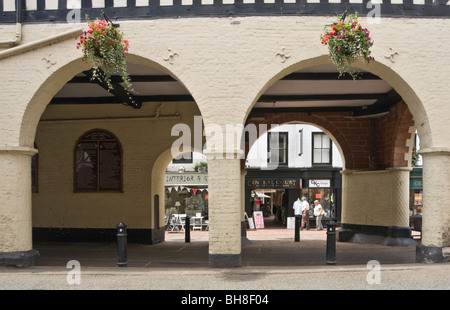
<point>274,183</point>
<point>186,179</point>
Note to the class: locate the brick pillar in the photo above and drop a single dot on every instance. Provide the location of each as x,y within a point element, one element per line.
<point>225,211</point>
<point>436,205</point>
<point>15,207</point>
<point>375,206</point>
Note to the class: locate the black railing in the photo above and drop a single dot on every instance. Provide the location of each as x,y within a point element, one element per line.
<point>76,10</point>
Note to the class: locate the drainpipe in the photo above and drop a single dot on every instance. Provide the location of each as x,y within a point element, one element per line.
<point>18,27</point>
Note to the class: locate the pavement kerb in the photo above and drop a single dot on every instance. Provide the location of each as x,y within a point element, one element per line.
<point>129,271</point>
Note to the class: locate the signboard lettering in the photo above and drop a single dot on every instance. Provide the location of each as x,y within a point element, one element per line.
<point>186,179</point>
<point>319,183</point>
<point>274,183</point>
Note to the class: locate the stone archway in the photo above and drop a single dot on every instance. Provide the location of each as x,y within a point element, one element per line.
<point>390,168</point>
<point>157,182</point>
<point>17,246</point>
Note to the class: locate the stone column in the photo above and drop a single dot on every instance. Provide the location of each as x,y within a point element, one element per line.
<point>225,211</point>
<point>436,205</point>
<point>375,206</point>
<point>15,207</point>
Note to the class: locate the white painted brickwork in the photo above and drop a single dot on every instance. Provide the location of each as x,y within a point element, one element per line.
<point>225,65</point>
<point>377,198</point>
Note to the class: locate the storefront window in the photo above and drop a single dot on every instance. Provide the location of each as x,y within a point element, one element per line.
<point>325,198</point>
<point>187,201</point>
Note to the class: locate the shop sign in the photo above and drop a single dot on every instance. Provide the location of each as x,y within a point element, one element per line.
<point>319,183</point>
<point>186,179</point>
<point>418,200</point>
<point>274,183</point>
<point>416,184</point>
<point>259,219</point>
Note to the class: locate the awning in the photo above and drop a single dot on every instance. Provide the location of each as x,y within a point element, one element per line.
<point>261,195</point>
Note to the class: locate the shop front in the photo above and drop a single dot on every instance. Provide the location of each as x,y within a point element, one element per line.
<point>186,193</point>
<point>415,191</point>
<point>285,186</point>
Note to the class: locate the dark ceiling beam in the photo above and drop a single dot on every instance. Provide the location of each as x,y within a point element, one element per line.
<point>118,91</point>
<point>258,111</point>
<point>383,105</point>
<point>320,97</point>
<point>173,98</point>
<point>134,79</point>
<point>296,76</point>
<point>328,76</point>
<point>380,107</point>
<point>115,100</point>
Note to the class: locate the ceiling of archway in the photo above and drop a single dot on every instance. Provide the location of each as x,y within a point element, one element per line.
<point>313,89</point>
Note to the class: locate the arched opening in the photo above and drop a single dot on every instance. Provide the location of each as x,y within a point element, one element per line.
<point>64,209</point>
<point>372,125</point>
<point>186,192</point>
<point>292,161</point>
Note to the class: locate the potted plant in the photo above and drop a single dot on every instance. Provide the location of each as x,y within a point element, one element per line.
<point>415,157</point>
<point>201,166</point>
<point>103,46</point>
<point>347,40</point>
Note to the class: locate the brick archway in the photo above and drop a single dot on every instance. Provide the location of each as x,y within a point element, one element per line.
<point>326,121</point>
<point>365,143</point>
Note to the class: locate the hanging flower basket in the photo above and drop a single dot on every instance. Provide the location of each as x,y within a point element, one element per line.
<point>103,46</point>
<point>347,40</point>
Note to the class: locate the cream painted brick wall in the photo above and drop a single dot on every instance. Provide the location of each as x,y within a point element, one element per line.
<point>15,213</point>
<point>379,198</point>
<point>224,185</point>
<point>436,214</point>
<point>225,64</point>
<point>56,205</point>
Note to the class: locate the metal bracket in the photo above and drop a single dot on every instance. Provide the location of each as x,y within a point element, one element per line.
<point>105,17</point>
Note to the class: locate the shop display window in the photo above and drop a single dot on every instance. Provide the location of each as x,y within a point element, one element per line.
<point>186,201</point>
<point>325,198</point>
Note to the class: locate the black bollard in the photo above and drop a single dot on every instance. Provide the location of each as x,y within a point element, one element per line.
<point>298,220</point>
<point>331,243</point>
<point>187,228</point>
<point>122,259</point>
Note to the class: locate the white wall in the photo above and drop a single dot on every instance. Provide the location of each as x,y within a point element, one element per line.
<point>297,157</point>
<point>196,158</point>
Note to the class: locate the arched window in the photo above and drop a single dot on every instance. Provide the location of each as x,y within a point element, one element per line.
<point>98,163</point>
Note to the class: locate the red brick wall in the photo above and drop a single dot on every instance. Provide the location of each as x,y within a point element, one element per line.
<point>394,131</point>
<point>366,143</point>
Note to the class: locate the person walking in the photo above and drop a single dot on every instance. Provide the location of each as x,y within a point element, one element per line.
<point>305,216</point>
<point>318,213</point>
<point>297,207</point>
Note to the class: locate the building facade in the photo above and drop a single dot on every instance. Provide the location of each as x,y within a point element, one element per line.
<point>186,186</point>
<point>290,162</point>
<point>232,63</point>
